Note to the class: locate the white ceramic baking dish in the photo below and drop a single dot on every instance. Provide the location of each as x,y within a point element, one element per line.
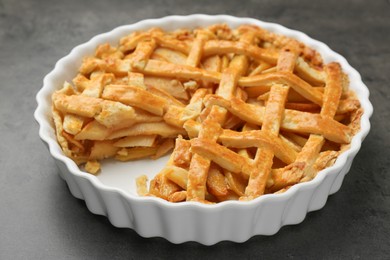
<point>113,192</point>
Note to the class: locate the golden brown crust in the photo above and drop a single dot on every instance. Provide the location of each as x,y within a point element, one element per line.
<point>252,111</point>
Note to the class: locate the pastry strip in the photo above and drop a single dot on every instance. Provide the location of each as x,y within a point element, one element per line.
<point>289,79</point>
<point>137,97</point>
<point>199,166</point>
<point>210,130</point>
<point>295,121</point>
<point>142,53</point>
<point>219,47</point>
<point>264,156</point>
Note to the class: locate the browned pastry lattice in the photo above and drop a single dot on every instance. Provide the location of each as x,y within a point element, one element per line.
<point>246,111</point>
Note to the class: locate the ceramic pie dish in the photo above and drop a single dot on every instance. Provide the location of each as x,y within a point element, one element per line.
<point>113,192</point>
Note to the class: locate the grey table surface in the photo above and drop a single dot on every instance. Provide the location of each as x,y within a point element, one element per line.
<point>39,218</point>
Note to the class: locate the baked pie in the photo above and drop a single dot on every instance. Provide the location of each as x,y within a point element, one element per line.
<point>246,111</point>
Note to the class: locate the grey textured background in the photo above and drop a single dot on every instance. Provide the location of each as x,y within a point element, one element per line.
<point>39,219</point>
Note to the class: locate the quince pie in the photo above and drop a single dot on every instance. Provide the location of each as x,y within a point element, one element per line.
<point>247,112</point>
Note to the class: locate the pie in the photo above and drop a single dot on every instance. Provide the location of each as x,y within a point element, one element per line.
<point>245,111</point>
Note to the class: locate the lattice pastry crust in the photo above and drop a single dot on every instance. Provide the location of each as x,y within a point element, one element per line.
<point>246,111</point>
